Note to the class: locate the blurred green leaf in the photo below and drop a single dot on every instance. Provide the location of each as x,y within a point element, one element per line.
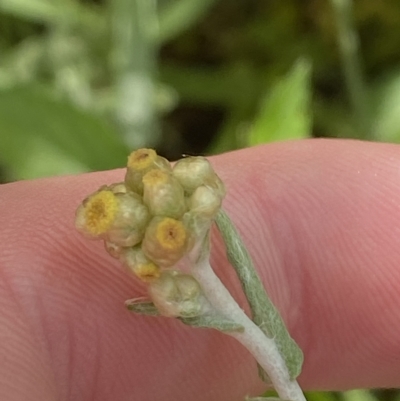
<point>286,111</point>
<point>36,10</point>
<point>358,395</point>
<point>180,15</point>
<point>21,63</point>
<point>42,136</point>
<point>51,12</point>
<point>385,96</point>
<point>321,396</point>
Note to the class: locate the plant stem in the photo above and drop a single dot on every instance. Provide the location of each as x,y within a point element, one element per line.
<point>349,49</point>
<point>263,349</point>
<point>134,60</point>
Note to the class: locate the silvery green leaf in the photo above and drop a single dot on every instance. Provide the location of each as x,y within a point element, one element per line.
<point>209,321</point>
<point>264,313</point>
<point>142,307</point>
<point>213,321</point>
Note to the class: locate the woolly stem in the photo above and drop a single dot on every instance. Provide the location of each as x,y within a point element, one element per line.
<point>263,349</point>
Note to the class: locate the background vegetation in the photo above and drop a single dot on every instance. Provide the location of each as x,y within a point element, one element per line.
<point>84,81</point>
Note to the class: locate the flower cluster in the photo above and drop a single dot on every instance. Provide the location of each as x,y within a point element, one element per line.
<point>154,218</point>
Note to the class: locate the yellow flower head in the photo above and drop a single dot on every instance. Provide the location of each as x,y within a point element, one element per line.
<point>99,212</point>
<point>147,272</point>
<point>165,241</point>
<point>171,234</point>
<point>142,159</point>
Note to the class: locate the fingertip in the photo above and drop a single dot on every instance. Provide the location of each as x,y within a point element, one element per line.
<point>320,219</point>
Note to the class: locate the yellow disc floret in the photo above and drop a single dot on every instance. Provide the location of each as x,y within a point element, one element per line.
<point>171,234</point>
<point>147,272</point>
<point>165,241</point>
<point>142,159</point>
<point>99,212</point>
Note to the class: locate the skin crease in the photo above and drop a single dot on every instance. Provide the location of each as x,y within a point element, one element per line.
<point>321,219</point>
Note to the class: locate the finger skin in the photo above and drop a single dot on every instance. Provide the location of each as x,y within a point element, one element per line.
<point>321,219</point>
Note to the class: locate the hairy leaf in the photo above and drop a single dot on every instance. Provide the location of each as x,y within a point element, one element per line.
<point>213,321</point>
<point>142,307</point>
<point>264,313</point>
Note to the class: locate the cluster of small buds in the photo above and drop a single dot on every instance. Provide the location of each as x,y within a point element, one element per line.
<point>154,218</point>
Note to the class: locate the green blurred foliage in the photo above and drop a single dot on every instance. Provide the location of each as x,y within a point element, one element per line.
<point>285,113</point>
<point>229,74</point>
<point>49,136</point>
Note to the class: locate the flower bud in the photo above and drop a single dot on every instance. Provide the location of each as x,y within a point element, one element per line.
<point>140,162</point>
<point>118,188</point>
<point>117,218</point>
<point>197,227</point>
<point>188,287</point>
<point>192,172</point>
<point>176,294</point>
<point>218,186</point>
<point>137,262</point>
<point>164,294</point>
<point>163,194</point>
<point>130,222</point>
<point>205,202</point>
<point>165,241</point>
